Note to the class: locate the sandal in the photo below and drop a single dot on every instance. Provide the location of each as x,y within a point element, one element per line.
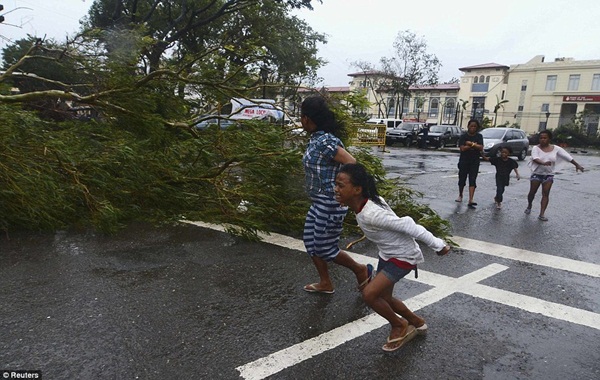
<point>370,276</point>
<point>312,288</point>
<point>543,218</point>
<point>411,332</point>
<point>527,211</point>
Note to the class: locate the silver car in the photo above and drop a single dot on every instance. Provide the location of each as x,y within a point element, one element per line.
<point>514,139</point>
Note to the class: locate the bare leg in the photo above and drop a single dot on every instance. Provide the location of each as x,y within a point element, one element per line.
<point>471,193</point>
<point>373,295</point>
<point>533,188</point>
<point>460,193</point>
<point>400,308</point>
<point>323,270</point>
<point>360,270</point>
<point>545,197</point>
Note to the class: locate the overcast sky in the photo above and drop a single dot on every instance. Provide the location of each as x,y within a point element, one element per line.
<point>460,33</point>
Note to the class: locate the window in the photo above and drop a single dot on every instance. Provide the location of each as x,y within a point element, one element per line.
<point>596,82</point>
<point>391,106</point>
<point>433,107</point>
<point>542,126</point>
<point>551,83</point>
<point>405,105</point>
<point>520,108</point>
<point>476,80</point>
<point>545,107</point>
<point>481,79</point>
<point>523,87</point>
<point>480,87</point>
<point>573,82</point>
<point>487,79</point>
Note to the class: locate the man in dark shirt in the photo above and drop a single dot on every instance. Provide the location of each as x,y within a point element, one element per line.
<point>471,145</point>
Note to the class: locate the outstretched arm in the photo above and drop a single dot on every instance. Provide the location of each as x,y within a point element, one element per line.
<point>577,166</point>
<point>444,251</point>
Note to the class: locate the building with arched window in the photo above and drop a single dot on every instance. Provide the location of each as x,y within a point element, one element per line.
<point>532,96</point>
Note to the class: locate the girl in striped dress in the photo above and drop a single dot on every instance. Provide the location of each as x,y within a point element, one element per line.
<point>324,156</point>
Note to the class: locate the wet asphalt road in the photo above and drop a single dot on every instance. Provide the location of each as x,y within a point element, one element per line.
<point>191,302</point>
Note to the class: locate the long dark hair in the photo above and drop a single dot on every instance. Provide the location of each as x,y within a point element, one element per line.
<point>317,110</point>
<point>359,177</point>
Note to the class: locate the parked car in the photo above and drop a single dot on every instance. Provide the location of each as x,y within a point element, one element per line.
<point>514,139</point>
<point>406,133</point>
<point>440,136</point>
<point>221,122</point>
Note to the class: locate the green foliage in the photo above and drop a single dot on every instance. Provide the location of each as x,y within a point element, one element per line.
<point>486,122</point>
<point>575,132</point>
<point>571,135</point>
<point>92,174</point>
<point>140,159</point>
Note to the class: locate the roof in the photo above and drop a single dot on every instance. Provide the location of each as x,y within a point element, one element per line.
<point>328,89</point>
<point>484,66</point>
<point>366,72</point>
<point>338,89</point>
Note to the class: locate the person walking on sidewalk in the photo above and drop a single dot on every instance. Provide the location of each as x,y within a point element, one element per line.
<point>322,160</point>
<point>545,157</point>
<point>470,145</point>
<point>504,166</point>
<point>399,253</point>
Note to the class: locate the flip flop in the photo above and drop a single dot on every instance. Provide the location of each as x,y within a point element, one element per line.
<point>543,218</point>
<point>370,275</point>
<point>422,330</point>
<point>312,288</point>
<point>411,332</point>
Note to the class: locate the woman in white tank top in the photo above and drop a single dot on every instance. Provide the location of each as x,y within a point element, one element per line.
<point>544,159</point>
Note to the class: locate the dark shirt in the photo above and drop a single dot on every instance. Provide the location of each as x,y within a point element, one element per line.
<point>503,168</point>
<point>470,154</point>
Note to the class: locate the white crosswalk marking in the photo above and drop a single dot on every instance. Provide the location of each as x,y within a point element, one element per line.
<point>443,286</point>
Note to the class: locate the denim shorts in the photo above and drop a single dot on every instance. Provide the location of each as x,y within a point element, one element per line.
<point>393,272</point>
<point>542,178</point>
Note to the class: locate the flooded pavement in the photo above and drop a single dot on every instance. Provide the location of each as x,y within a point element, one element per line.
<point>191,302</point>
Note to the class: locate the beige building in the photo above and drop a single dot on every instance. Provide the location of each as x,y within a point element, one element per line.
<point>482,87</point>
<point>549,94</point>
<point>431,104</point>
<point>532,96</point>
<point>538,94</point>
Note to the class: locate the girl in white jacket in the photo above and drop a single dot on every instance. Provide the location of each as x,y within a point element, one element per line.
<point>399,253</point>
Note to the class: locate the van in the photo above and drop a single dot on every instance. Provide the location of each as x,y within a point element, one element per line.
<point>389,123</point>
